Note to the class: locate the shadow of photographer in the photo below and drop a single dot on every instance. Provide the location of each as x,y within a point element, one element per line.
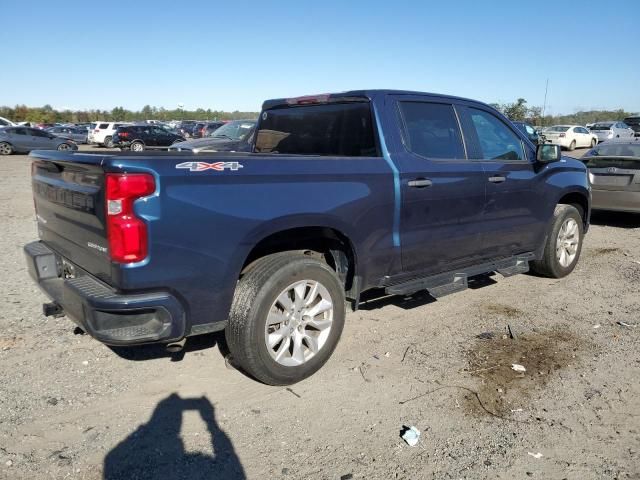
<point>156,451</point>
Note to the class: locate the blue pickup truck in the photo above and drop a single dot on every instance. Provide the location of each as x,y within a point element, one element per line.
<point>394,190</point>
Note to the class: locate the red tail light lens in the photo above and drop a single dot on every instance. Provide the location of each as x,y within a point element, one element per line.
<point>562,135</point>
<point>126,233</point>
<point>123,134</point>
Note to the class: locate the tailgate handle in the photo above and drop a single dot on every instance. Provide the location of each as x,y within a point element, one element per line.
<point>420,183</point>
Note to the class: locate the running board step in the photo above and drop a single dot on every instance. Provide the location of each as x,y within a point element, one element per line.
<point>437,286</point>
<point>451,282</point>
<point>521,266</point>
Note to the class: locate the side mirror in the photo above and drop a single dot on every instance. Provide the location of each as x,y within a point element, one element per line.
<point>547,153</point>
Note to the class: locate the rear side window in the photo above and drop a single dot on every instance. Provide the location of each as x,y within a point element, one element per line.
<point>497,141</point>
<point>102,126</point>
<point>340,129</point>
<point>431,130</point>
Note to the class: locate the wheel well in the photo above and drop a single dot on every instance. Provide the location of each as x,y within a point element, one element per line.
<point>577,200</point>
<point>327,244</point>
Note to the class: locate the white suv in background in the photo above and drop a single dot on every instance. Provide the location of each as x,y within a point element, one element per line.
<point>101,133</point>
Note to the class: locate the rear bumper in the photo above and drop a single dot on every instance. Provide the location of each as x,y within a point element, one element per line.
<point>620,201</point>
<point>108,316</point>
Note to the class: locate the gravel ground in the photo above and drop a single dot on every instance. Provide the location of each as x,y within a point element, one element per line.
<point>73,408</point>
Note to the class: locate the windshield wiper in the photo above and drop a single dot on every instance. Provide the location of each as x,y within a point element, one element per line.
<point>223,136</point>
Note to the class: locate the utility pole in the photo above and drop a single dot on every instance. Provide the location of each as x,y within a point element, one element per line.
<point>544,105</point>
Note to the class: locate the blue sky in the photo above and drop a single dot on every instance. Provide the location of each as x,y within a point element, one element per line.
<point>233,55</point>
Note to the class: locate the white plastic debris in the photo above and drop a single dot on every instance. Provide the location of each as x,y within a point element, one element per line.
<point>85,362</point>
<point>537,456</point>
<point>411,436</point>
<point>8,463</point>
<point>518,368</point>
<point>596,326</point>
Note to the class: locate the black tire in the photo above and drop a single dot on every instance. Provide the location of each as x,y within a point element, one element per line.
<point>137,146</point>
<point>572,146</point>
<point>254,296</point>
<point>108,142</point>
<point>549,265</point>
<point>6,148</point>
<point>594,143</point>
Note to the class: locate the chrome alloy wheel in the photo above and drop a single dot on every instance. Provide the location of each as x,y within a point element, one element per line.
<point>567,242</point>
<point>5,149</point>
<point>137,147</point>
<point>299,323</point>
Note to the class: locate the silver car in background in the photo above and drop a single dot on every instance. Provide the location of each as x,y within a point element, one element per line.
<point>77,134</point>
<point>609,130</point>
<point>25,139</point>
<point>614,175</point>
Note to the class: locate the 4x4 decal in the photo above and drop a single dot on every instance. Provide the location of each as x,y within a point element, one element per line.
<point>217,166</point>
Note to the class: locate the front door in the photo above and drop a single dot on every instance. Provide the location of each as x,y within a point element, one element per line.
<point>514,214</point>
<point>443,193</point>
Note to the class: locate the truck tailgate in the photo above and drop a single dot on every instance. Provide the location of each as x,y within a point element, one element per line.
<point>69,201</point>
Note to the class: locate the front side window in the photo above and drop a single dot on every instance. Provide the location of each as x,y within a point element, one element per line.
<point>497,141</point>
<point>431,130</point>
<point>39,133</point>
<point>337,129</point>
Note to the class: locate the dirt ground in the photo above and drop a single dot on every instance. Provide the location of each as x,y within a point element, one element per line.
<point>71,407</point>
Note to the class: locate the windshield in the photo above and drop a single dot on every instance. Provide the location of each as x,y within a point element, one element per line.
<point>632,120</point>
<point>557,129</point>
<point>602,126</point>
<point>238,130</point>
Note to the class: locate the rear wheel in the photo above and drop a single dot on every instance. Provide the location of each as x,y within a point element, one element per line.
<point>63,147</point>
<point>108,142</point>
<point>5,148</point>
<point>286,319</point>
<point>563,245</point>
<point>137,147</point>
<point>572,145</point>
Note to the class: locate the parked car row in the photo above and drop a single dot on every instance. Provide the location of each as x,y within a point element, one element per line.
<point>18,139</point>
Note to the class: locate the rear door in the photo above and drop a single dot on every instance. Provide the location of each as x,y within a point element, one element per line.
<point>20,138</point>
<point>513,219</point>
<point>443,193</point>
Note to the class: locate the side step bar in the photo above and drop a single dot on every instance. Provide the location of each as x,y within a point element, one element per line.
<point>456,281</point>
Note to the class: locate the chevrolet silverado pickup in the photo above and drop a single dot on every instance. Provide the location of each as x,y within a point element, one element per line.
<point>379,189</point>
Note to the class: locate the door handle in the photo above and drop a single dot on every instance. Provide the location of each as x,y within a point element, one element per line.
<point>497,179</point>
<point>420,183</point>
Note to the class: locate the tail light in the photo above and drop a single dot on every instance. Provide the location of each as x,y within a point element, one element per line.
<point>123,134</point>
<point>126,233</point>
<point>562,135</point>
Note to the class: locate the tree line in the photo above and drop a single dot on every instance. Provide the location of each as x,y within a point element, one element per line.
<point>519,111</point>
<point>48,114</point>
<point>516,111</point>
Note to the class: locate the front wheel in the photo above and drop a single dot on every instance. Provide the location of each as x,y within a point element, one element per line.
<point>563,245</point>
<point>137,147</point>
<point>594,142</point>
<point>5,148</point>
<point>63,147</point>
<point>286,318</point>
